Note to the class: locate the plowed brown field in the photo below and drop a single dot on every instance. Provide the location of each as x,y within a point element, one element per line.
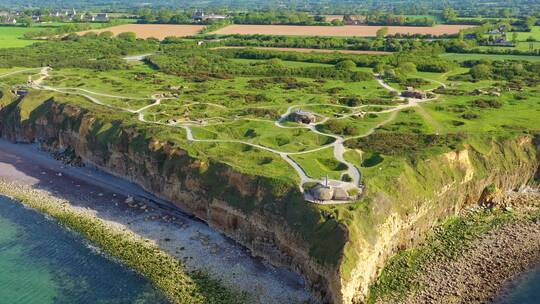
<point>158,31</point>
<point>305,50</point>
<point>347,30</point>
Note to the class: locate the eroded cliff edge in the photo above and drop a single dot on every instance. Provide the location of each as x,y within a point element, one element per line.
<point>265,215</point>
<point>340,251</point>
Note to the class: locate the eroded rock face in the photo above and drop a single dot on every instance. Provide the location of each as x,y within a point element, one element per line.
<point>237,204</point>
<point>274,226</point>
<point>448,183</point>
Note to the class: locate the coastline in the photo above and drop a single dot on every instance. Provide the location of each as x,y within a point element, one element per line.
<point>471,258</point>
<point>146,258</point>
<point>117,203</point>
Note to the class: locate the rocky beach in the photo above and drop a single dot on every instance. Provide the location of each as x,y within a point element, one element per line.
<point>481,271</point>
<point>123,206</point>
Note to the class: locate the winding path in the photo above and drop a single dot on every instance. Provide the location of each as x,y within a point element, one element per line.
<point>337,145</point>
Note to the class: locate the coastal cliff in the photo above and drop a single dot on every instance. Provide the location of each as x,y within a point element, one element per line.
<point>339,257</point>
<point>266,216</point>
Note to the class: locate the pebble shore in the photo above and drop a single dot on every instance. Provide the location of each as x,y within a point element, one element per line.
<point>480,273</point>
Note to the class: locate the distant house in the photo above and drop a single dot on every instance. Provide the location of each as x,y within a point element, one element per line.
<point>71,15</point>
<point>102,17</point>
<point>501,41</point>
<point>36,18</point>
<point>8,20</point>
<point>67,14</point>
<point>200,16</point>
<point>354,19</point>
<point>494,32</point>
<point>88,17</point>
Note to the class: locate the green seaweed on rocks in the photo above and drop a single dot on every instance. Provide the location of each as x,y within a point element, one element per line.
<point>398,278</point>
<point>164,271</point>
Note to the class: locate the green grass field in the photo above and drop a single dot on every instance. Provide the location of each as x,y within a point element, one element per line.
<point>534,33</point>
<point>13,36</point>
<point>402,147</point>
<point>463,57</point>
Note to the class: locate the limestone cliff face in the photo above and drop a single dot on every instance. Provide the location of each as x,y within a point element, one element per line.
<point>429,192</point>
<point>271,219</point>
<point>246,208</point>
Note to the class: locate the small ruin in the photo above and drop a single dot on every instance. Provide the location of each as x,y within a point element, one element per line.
<point>301,116</point>
<point>411,92</point>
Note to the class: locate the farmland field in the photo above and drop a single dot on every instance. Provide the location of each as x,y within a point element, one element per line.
<point>535,33</point>
<point>306,50</point>
<point>11,36</point>
<point>343,31</point>
<point>463,57</point>
<point>159,31</point>
<point>308,138</point>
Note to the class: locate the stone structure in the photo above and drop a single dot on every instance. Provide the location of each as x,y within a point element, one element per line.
<point>304,117</point>
<point>411,92</point>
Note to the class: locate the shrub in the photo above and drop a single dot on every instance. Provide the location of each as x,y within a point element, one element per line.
<point>469,116</point>
<point>486,103</point>
<point>346,65</point>
<point>392,143</point>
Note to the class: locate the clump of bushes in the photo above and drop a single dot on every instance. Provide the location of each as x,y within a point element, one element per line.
<point>415,82</point>
<point>486,103</point>
<point>392,143</point>
<point>469,116</point>
<point>340,127</point>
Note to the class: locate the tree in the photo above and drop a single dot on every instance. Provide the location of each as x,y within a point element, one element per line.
<point>128,36</point>
<point>382,32</point>
<point>346,65</point>
<point>25,21</point>
<point>407,67</point>
<point>530,21</point>
<point>514,37</point>
<point>504,13</point>
<point>336,22</point>
<point>449,14</point>
<point>106,35</point>
<point>319,18</point>
<point>481,71</point>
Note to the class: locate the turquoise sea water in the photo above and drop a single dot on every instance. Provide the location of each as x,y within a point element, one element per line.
<point>524,290</point>
<point>42,263</point>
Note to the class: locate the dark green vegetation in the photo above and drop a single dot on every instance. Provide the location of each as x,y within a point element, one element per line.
<point>100,53</point>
